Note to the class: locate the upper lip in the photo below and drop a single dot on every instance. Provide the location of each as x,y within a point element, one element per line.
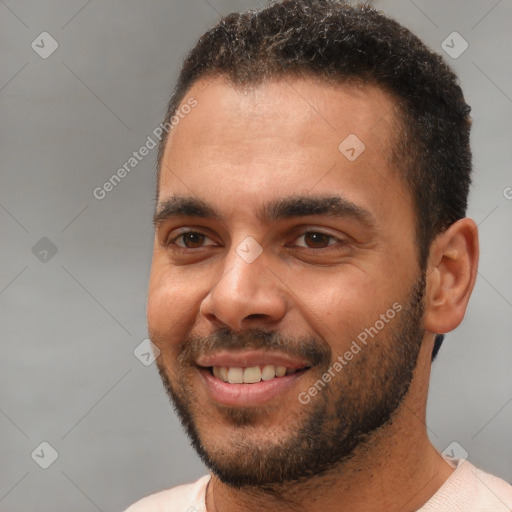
<point>244,359</point>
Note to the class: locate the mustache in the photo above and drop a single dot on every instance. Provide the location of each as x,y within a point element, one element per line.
<point>317,351</point>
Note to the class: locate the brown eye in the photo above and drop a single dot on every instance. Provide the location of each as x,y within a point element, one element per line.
<point>193,240</point>
<point>190,240</point>
<point>317,240</point>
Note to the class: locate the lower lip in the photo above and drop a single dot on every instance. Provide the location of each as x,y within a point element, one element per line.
<point>248,394</point>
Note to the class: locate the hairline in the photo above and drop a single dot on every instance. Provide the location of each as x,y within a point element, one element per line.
<point>399,121</point>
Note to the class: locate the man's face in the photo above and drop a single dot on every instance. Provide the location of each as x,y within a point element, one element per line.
<point>280,248</point>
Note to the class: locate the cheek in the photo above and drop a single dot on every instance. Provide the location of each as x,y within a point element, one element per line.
<point>171,307</point>
<point>340,306</point>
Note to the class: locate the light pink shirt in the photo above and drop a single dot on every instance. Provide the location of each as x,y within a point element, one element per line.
<point>468,489</point>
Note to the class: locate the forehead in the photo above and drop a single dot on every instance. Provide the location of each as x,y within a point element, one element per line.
<point>294,108</point>
<point>288,135</point>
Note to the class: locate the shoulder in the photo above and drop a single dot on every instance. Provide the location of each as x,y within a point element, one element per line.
<point>470,489</point>
<point>184,498</point>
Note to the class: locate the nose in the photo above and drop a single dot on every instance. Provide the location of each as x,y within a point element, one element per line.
<point>247,294</point>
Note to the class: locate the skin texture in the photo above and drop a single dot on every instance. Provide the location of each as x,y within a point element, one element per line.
<point>237,150</point>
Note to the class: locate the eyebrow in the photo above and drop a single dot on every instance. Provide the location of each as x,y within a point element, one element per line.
<point>272,211</point>
<point>182,206</point>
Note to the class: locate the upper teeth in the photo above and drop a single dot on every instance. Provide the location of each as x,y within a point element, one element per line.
<point>250,375</point>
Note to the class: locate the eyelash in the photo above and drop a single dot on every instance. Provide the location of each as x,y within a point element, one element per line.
<point>181,235</point>
<point>329,237</point>
<point>172,242</point>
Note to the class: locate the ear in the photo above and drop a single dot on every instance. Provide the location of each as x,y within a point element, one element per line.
<point>451,273</point>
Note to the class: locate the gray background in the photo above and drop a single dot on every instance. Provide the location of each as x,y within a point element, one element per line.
<point>71,322</point>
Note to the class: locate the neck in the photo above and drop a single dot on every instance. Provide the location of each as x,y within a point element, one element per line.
<point>397,469</point>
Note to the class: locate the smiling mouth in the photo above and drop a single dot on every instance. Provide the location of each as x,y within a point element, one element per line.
<point>252,374</point>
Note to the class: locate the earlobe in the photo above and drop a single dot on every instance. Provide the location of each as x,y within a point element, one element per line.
<point>451,274</point>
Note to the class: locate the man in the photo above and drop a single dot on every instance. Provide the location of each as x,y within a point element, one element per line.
<point>310,243</point>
